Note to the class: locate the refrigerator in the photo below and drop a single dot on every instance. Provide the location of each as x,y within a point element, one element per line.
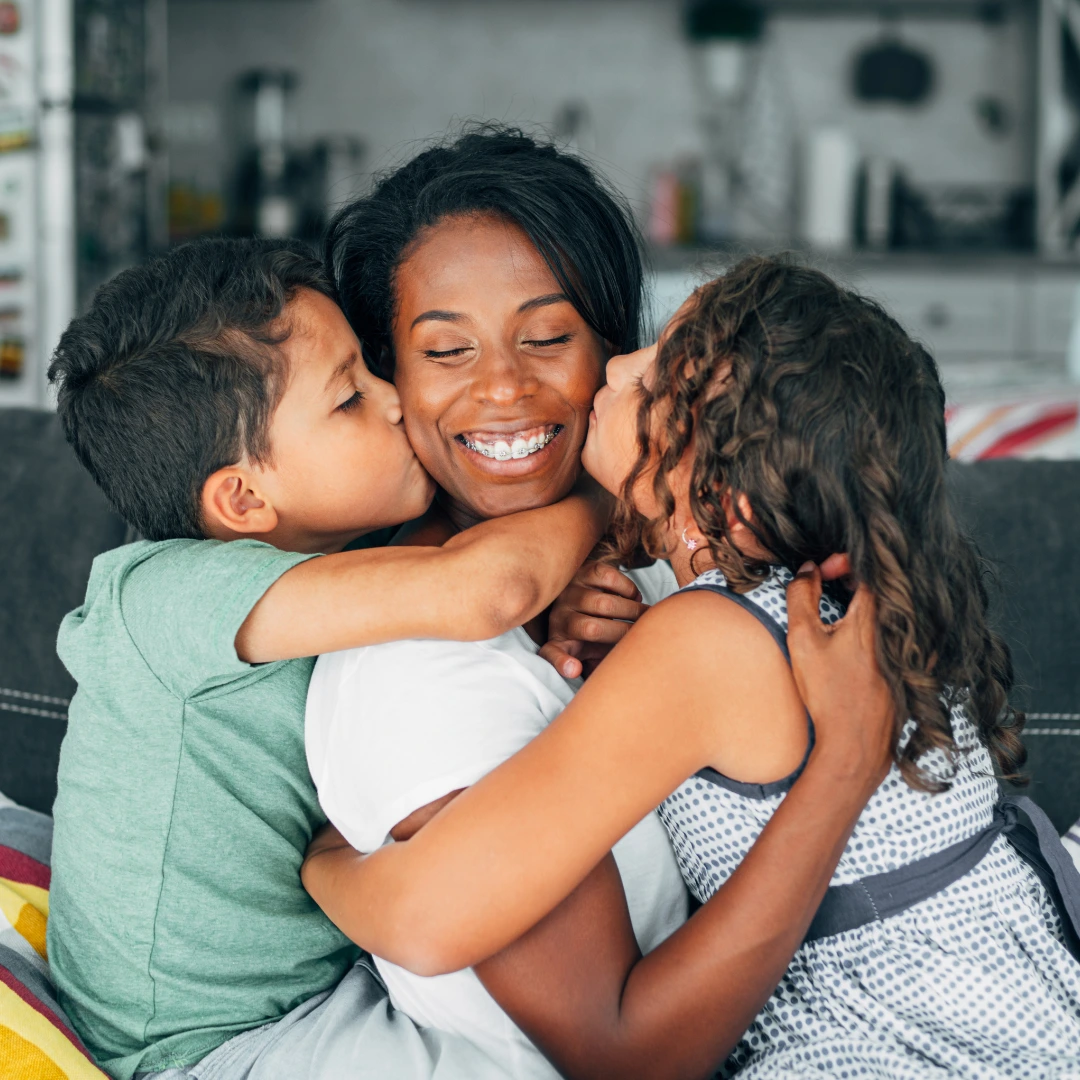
<point>82,167</point>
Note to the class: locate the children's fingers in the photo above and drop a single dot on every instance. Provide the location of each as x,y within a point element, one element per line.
<point>554,652</point>
<point>606,605</point>
<point>581,627</point>
<point>608,579</point>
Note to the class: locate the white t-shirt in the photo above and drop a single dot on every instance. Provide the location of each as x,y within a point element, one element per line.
<point>390,728</point>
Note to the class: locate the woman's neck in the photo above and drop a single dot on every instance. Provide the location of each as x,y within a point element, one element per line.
<point>445,518</point>
<point>461,516</point>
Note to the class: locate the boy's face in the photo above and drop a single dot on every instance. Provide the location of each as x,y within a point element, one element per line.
<point>341,464</point>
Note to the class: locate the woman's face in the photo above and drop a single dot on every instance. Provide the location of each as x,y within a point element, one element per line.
<point>495,368</point>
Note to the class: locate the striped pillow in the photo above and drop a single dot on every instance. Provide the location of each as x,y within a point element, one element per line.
<point>36,1040</point>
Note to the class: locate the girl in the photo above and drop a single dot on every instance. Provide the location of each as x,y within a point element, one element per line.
<point>781,418</point>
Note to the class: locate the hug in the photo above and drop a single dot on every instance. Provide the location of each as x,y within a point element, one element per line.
<point>661,740</point>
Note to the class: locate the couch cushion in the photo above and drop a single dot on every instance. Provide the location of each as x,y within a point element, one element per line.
<point>37,1041</point>
<point>53,521</point>
<point>1025,516</point>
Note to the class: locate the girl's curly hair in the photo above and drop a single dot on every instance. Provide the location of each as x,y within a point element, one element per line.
<point>812,403</point>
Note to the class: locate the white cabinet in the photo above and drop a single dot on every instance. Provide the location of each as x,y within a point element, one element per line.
<point>1053,303</point>
<point>990,324</point>
<point>954,315</point>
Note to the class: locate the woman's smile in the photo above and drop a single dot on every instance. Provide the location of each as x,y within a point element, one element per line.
<point>495,366</point>
<point>514,450</point>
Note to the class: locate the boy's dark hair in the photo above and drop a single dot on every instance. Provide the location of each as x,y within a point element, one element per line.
<point>581,228</point>
<point>174,373</point>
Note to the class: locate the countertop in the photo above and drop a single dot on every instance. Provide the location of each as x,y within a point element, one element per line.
<point>691,259</point>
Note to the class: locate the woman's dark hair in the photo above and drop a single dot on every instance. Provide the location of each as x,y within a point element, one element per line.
<point>580,227</point>
<point>813,404</point>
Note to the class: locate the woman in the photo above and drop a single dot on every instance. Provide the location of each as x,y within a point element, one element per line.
<point>493,279</point>
<point>781,418</point>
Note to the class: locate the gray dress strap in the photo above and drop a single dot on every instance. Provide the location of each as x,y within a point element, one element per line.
<point>741,787</point>
<point>876,897</point>
<point>847,907</point>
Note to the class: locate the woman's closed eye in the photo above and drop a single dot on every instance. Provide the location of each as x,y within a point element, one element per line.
<point>447,354</point>
<point>562,339</point>
<point>532,343</point>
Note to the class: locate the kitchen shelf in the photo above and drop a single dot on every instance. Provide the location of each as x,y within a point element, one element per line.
<point>923,9</point>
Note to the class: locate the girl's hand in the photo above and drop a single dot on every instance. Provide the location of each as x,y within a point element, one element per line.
<point>326,839</point>
<point>838,678</point>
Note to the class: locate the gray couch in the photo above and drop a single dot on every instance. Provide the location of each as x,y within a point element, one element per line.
<point>53,521</point>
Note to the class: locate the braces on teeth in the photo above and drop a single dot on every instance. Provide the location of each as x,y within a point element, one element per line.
<point>519,448</point>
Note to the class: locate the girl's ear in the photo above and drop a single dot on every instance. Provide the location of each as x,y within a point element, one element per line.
<point>233,505</point>
<point>737,530</point>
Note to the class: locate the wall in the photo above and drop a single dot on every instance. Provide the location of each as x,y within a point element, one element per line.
<point>397,71</point>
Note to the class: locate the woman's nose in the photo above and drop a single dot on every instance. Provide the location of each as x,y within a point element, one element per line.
<point>503,379</point>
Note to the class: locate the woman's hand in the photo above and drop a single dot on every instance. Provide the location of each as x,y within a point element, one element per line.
<point>838,678</point>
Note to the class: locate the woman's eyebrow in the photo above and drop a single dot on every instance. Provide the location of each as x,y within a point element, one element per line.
<point>544,301</point>
<point>437,316</point>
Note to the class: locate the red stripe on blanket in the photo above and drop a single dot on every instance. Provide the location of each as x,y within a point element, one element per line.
<point>1009,444</point>
<point>15,866</point>
<point>39,1006</point>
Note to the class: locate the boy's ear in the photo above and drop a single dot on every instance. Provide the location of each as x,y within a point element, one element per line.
<point>233,504</point>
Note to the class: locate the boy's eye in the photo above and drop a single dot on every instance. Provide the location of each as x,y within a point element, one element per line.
<point>562,339</point>
<point>351,403</point>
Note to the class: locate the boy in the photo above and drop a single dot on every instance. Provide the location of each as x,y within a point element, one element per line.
<point>219,398</point>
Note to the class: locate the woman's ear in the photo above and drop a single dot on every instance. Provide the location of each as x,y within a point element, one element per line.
<point>233,505</point>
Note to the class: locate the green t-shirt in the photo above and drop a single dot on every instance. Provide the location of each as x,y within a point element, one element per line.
<point>178,918</point>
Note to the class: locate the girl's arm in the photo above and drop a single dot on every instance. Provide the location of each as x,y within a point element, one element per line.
<point>507,851</point>
<point>481,583</point>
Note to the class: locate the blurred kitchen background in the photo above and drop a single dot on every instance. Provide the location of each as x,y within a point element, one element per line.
<point>924,151</point>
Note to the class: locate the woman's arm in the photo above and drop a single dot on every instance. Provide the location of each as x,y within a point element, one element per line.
<point>501,856</point>
<point>578,986</point>
<point>481,583</point>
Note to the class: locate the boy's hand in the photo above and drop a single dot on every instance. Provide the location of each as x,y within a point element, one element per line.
<point>600,605</point>
<point>838,678</point>
<point>591,616</point>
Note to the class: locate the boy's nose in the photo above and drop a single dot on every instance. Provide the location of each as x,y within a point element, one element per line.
<point>389,400</point>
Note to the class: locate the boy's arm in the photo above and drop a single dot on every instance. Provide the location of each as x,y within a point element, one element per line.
<point>481,583</point>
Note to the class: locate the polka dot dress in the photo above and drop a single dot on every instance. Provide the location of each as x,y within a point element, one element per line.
<point>974,982</point>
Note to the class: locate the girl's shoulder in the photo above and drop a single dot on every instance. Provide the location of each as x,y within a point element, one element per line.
<point>729,659</point>
<point>770,597</point>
